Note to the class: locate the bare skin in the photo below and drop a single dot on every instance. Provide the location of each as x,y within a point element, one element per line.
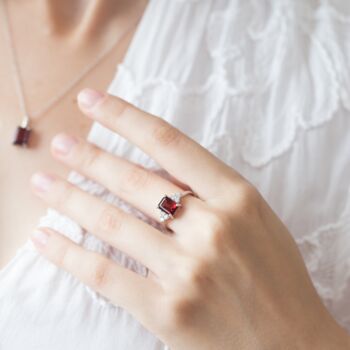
<point>72,32</point>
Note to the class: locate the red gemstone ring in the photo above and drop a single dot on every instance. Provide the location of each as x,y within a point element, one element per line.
<point>169,205</point>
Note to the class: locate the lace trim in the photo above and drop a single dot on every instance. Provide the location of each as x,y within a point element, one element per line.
<point>326,255</point>
<point>255,151</point>
<point>298,122</point>
<point>228,40</point>
<point>254,130</point>
<point>139,88</point>
<point>325,10</point>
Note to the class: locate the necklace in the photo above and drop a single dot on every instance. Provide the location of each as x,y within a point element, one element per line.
<point>23,131</point>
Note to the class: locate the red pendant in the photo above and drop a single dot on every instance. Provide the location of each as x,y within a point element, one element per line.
<point>168,205</point>
<point>22,136</point>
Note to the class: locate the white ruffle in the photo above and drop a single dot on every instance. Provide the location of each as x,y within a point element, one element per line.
<point>326,254</point>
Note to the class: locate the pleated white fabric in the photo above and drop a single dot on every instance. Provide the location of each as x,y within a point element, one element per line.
<point>262,84</point>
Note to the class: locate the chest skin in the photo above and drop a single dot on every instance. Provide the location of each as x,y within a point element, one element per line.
<point>45,74</point>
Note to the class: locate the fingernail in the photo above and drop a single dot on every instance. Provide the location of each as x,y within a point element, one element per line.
<point>41,181</point>
<point>88,98</point>
<point>40,238</point>
<point>63,143</point>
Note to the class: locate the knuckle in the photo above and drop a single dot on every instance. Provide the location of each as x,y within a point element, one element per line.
<point>184,292</point>
<point>247,199</point>
<point>217,226</point>
<point>89,158</point>
<point>193,274</point>
<point>65,196</point>
<point>99,274</point>
<point>62,253</point>
<point>179,310</point>
<point>135,179</point>
<point>214,222</point>
<point>113,109</point>
<point>109,220</point>
<point>165,134</point>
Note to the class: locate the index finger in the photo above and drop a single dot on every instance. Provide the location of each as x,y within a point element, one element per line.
<point>177,153</point>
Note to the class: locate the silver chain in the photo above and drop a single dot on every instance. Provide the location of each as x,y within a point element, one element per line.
<point>19,81</point>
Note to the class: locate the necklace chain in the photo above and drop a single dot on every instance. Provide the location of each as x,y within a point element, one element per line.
<point>19,80</point>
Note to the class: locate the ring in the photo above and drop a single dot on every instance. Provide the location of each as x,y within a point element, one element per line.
<point>168,205</point>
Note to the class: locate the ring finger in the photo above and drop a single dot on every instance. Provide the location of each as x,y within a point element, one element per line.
<point>140,187</point>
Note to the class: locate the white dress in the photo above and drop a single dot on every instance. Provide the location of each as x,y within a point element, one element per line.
<point>262,84</point>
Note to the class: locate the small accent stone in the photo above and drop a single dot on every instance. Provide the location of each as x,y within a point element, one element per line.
<point>168,205</point>
<point>22,136</point>
<point>176,197</point>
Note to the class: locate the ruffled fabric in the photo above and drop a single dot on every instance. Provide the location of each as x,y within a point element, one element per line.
<point>262,84</point>
<point>326,254</point>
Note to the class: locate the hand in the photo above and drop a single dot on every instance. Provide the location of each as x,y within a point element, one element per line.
<point>228,276</point>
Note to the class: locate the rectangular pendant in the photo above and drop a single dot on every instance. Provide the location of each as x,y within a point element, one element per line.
<point>22,136</point>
